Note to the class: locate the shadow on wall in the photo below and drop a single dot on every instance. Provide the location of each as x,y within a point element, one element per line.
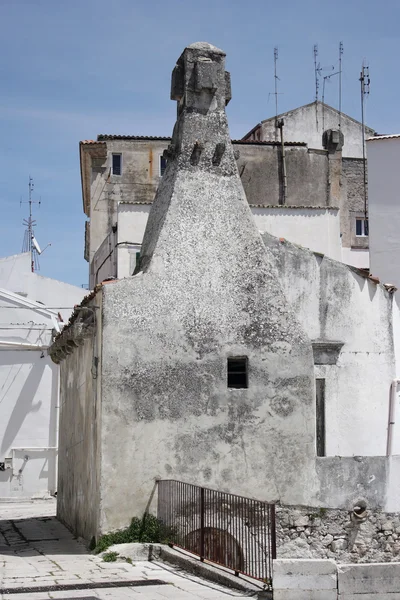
<point>24,403</point>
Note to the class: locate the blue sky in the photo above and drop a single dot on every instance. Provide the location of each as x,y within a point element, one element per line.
<point>70,70</point>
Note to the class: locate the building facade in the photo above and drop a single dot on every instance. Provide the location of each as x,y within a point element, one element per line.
<point>314,196</point>
<point>308,123</point>
<point>32,309</point>
<point>229,359</point>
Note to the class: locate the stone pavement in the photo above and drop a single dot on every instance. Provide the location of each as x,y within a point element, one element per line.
<point>40,558</point>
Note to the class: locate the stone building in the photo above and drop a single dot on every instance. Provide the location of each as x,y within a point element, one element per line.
<point>321,206</point>
<point>229,359</point>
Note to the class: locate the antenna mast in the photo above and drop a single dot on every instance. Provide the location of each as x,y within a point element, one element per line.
<point>316,82</point>
<point>276,92</point>
<point>30,244</point>
<point>318,73</point>
<point>340,83</point>
<point>365,85</point>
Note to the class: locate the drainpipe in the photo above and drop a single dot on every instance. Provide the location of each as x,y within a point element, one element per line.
<point>284,199</point>
<point>392,414</point>
<point>21,345</point>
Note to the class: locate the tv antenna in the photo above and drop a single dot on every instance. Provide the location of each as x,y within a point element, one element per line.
<point>318,69</point>
<point>340,83</point>
<point>327,79</point>
<point>30,243</point>
<point>275,93</point>
<point>365,82</point>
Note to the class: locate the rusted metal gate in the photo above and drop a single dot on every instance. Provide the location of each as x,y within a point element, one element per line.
<point>232,531</point>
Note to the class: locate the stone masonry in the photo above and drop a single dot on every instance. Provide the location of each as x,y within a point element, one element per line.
<point>338,534</point>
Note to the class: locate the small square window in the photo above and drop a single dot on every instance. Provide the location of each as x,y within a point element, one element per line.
<point>116,164</point>
<point>238,372</point>
<point>362,227</point>
<point>163,165</point>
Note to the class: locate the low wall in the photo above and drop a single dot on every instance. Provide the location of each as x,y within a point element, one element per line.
<point>324,580</point>
<point>304,579</point>
<point>337,534</point>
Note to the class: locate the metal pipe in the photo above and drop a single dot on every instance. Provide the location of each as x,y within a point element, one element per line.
<point>280,124</point>
<point>392,415</point>
<point>21,345</point>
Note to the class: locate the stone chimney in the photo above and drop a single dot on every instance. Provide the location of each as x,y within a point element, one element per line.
<point>207,292</point>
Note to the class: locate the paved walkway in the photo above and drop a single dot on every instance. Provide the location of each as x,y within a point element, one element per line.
<point>39,558</point>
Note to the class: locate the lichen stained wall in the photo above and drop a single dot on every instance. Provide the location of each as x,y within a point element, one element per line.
<point>206,290</point>
<point>333,302</point>
<point>79,450</point>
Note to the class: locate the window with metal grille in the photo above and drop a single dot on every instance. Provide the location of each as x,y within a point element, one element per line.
<point>163,165</point>
<point>238,372</point>
<point>116,164</point>
<point>362,227</point>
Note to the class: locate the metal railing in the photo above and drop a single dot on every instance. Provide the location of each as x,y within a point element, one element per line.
<point>232,531</point>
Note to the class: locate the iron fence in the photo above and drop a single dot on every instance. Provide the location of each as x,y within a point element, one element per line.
<point>232,531</point>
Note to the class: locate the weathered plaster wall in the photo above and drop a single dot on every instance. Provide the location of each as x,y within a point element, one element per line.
<point>305,124</point>
<point>205,291</point>
<point>333,302</point>
<point>78,499</point>
<point>307,175</point>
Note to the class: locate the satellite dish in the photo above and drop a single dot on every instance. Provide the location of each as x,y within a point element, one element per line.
<point>37,247</point>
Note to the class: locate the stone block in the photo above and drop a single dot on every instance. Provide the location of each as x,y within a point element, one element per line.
<point>377,578</point>
<point>306,595</point>
<point>177,83</point>
<point>304,575</point>
<point>338,545</point>
<point>305,582</point>
<point>304,566</point>
<point>206,76</point>
<point>302,521</point>
<point>372,596</point>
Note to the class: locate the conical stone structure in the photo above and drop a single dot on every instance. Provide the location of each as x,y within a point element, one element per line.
<point>206,290</point>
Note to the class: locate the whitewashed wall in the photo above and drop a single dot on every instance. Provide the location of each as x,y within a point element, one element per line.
<point>357,257</point>
<point>316,229</point>
<point>132,220</point>
<point>334,303</point>
<point>29,380</point>
<point>384,208</point>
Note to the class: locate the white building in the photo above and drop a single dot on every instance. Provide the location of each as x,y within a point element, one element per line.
<point>32,307</point>
<point>384,207</point>
<point>307,124</point>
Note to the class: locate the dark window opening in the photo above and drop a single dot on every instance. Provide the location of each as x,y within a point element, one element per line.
<point>163,165</point>
<point>362,227</point>
<point>116,164</point>
<point>320,425</point>
<point>238,372</point>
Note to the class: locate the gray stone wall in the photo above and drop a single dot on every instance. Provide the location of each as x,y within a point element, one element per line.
<point>338,534</point>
